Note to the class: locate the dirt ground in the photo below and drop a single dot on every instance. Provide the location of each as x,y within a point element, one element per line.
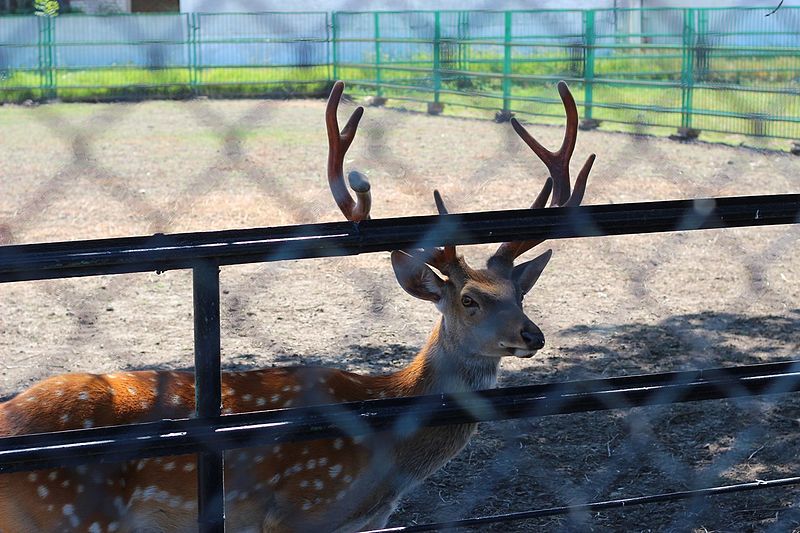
<point>608,306</point>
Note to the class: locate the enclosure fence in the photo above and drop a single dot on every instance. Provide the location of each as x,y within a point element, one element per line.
<point>210,435</point>
<point>728,70</point>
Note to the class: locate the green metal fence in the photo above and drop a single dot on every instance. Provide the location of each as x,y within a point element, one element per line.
<point>728,70</point>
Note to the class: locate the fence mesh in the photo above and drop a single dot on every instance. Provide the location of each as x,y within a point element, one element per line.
<point>611,306</point>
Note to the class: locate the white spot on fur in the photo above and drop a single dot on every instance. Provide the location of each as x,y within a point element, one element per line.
<point>32,477</point>
<point>322,461</point>
<point>335,470</point>
<point>88,423</point>
<point>286,388</point>
<point>311,464</point>
<point>318,484</point>
<point>42,491</point>
<point>64,418</point>
<point>258,459</point>
<point>304,483</point>
<point>83,395</point>
<point>176,400</point>
<point>260,401</point>
<point>347,479</point>
<point>95,528</point>
<point>307,505</point>
<point>52,475</point>
<point>188,467</point>
<point>274,479</point>
<point>338,443</point>
<point>275,398</point>
<point>247,397</point>
<point>113,527</point>
<point>169,466</point>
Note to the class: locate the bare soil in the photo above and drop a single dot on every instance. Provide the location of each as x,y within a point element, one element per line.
<point>609,306</point>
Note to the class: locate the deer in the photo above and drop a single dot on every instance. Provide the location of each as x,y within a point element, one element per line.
<point>341,484</point>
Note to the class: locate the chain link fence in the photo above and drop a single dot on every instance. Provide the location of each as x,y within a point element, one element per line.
<point>609,306</point>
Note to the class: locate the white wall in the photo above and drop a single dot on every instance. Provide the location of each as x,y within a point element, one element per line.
<point>232,6</point>
<point>243,6</point>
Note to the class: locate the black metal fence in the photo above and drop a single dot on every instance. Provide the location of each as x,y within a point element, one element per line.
<point>209,434</point>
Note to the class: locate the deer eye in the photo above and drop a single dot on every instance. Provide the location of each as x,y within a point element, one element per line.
<point>466,301</point>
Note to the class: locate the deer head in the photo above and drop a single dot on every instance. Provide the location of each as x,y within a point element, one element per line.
<point>481,308</point>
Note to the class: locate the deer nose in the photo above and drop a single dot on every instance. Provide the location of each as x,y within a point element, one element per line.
<point>534,338</point>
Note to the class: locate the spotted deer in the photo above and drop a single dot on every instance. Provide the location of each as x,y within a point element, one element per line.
<point>340,484</point>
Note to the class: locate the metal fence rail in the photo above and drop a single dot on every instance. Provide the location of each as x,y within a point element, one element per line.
<point>210,434</point>
<point>729,70</point>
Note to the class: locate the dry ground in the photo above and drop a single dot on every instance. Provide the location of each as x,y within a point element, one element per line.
<point>608,306</point>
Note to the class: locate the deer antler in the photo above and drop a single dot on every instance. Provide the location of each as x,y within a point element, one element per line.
<point>558,164</point>
<point>338,143</point>
<point>440,258</point>
<point>358,210</point>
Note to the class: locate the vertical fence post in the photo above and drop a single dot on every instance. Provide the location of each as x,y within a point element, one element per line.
<point>507,63</point>
<point>436,107</point>
<point>47,77</point>
<point>687,75</point>
<point>328,72</point>
<point>42,57</point>
<point>334,46</point>
<point>208,393</point>
<point>191,35</point>
<point>588,122</point>
<point>379,89</point>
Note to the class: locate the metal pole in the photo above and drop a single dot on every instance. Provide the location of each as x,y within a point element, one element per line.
<point>588,73</point>
<point>437,74</point>
<point>328,42</point>
<point>507,63</point>
<point>378,55</point>
<point>191,28</point>
<point>687,68</point>
<point>335,58</point>
<point>208,393</point>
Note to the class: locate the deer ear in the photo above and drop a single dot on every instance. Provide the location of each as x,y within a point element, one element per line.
<point>417,278</point>
<point>526,274</point>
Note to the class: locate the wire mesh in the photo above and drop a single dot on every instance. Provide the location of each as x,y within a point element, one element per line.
<point>611,306</point>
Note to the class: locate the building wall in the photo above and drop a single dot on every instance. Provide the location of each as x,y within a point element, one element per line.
<point>250,6</point>
<point>154,6</point>
<point>102,6</point>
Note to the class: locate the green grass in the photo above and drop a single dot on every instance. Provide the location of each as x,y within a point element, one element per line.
<point>642,90</point>
<point>122,83</point>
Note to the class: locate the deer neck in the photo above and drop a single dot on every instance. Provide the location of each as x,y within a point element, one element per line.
<point>445,364</point>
